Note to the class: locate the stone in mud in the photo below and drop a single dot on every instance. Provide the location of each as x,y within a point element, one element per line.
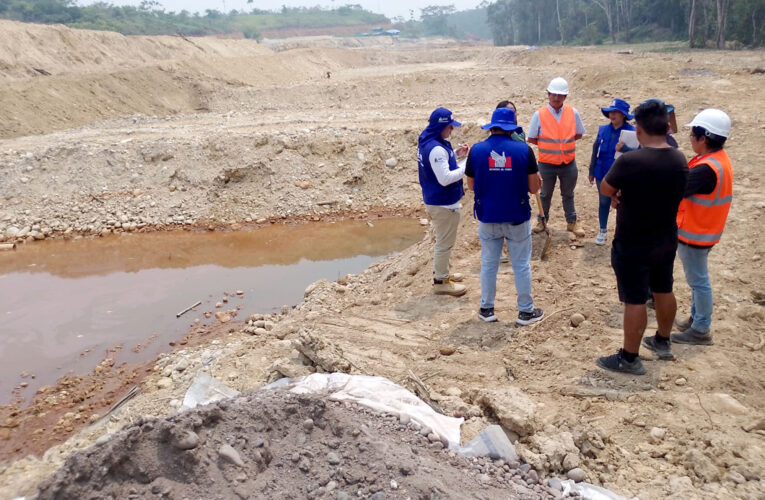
<point>187,441</point>
<point>577,475</point>
<point>577,319</point>
<point>228,453</point>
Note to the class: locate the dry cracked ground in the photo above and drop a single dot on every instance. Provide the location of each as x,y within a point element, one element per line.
<point>106,134</point>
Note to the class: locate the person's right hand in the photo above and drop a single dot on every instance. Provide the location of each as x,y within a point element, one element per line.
<point>591,179</point>
<point>619,146</point>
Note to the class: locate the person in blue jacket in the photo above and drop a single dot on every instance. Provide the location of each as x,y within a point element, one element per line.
<point>603,151</point>
<point>441,182</point>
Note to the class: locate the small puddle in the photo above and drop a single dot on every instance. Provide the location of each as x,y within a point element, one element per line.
<point>63,304</point>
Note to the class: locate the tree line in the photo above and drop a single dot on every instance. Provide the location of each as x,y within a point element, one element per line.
<point>703,23</point>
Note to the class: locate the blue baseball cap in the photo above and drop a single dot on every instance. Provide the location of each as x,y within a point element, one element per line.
<point>503,118</point>
<point>670,108</point>
<point>619,105</point>
<point>442,117</point>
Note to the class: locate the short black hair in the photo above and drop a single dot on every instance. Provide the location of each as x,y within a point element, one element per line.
<point>714,142</point>
<point>504,104</point>
<point>652,117</point>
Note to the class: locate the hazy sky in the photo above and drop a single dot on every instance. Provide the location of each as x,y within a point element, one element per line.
<point>390,8</point>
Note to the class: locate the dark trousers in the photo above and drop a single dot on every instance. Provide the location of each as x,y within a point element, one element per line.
<point>567,173</point>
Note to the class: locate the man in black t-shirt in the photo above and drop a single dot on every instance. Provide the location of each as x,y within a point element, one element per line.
<point>646,187</point>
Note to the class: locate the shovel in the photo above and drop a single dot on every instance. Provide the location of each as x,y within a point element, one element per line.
<point>548,241</point>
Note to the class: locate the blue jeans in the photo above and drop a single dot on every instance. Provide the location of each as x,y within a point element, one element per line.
<point>518,238</point>
<point>604,207</point>
<point>567,173</point>
<point>697,275</point>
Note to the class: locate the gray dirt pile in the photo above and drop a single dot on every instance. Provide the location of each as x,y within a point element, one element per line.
<point>275,444</point>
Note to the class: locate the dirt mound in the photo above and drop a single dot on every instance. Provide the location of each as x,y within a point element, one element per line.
<point>275,444</point>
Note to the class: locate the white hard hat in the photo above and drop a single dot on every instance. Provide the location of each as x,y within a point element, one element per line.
<point>558,86</point>
<point>713,120</point>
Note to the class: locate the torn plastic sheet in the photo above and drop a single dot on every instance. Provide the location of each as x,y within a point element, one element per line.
<point>379,394</point>
<point>589,491</point>
<point>204,390</point>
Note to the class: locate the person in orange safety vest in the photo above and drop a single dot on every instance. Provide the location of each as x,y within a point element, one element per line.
<point>701,219</point>
<point>555,128</point>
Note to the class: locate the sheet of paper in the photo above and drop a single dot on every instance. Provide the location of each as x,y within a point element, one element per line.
<point>629,138</point>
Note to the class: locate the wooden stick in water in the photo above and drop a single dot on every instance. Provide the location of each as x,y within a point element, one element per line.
<point>187,309</point>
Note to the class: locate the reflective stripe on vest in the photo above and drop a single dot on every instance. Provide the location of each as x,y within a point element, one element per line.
<point>557,140</point>
<point>701,218</point>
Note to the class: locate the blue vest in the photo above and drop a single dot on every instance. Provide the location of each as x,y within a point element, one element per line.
<point>500,166</point>
<point>433,193</point>
<point>605,144</point>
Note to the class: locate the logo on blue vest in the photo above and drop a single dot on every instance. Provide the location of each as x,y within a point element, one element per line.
<point>500,162</point>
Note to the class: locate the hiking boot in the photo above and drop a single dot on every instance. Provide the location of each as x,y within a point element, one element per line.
<point>448,287</point>
<point>617,363</point>
<point>574,228</point>
<point>601,238</point>
<point>487,314</point>
<point>540,227</point>
<point>662,348</point>
<point>456,277</point>
<point>684,324</point>
<point>527,318</point>
<point>691,336</point>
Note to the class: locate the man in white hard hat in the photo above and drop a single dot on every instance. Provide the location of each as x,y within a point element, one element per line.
<point>555,128</point>
<point>701,218</point>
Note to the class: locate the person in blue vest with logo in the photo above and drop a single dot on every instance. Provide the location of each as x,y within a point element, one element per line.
<point>502,172</point>
<point>603,151</point>
<point>442,190</point>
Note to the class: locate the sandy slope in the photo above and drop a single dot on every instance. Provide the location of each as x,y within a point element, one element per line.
<point>166,134</point>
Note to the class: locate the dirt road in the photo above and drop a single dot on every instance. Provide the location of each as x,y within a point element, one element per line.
<point>144,134</point>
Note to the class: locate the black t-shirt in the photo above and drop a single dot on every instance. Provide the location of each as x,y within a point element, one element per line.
<point>533,167</point>
<point>652,182</point>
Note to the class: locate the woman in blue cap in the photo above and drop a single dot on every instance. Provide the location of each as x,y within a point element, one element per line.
<point>603,151</point>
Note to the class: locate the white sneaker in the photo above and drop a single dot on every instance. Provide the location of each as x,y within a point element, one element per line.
<point>601,238</point>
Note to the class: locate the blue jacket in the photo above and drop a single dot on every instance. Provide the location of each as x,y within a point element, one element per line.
<point>604,148</point>
<point>433,193</point>
<point>500,166</point>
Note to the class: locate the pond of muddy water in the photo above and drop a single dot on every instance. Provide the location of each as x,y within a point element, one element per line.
<point>63,304</point>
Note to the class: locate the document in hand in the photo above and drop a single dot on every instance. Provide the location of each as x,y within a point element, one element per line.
<point>629,138</point>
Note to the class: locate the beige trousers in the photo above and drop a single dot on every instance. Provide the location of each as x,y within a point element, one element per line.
<point>445,223</point>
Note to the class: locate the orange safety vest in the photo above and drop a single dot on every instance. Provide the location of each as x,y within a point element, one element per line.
<point>701,217</point>
<point>556,141</point>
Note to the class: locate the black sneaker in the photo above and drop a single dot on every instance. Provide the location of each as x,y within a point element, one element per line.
<point>662,348</point>
<point>616,363</point>
<point>527,318</point>
<point>487,314</point>
<point>692,336</point>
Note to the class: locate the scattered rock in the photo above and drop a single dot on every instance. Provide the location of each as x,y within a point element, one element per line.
<point>577,319</point>
<point>577,475</point>
<point>447,350</point>
<point>229,453</point>
<point>391,162</point>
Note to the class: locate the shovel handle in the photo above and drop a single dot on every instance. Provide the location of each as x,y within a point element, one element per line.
<point>539,206</point>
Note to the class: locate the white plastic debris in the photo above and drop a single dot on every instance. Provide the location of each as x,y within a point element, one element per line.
<point>492,442</point>
<point>589,491</point>
<point>379,394</point>
<point>204,390</point>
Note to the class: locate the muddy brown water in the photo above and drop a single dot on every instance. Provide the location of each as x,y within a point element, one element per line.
<point>64,304</point>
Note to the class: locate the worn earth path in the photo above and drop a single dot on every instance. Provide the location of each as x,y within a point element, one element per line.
<point>165,134</point>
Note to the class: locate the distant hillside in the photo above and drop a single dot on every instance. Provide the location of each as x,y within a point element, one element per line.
<point>150,19</point>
